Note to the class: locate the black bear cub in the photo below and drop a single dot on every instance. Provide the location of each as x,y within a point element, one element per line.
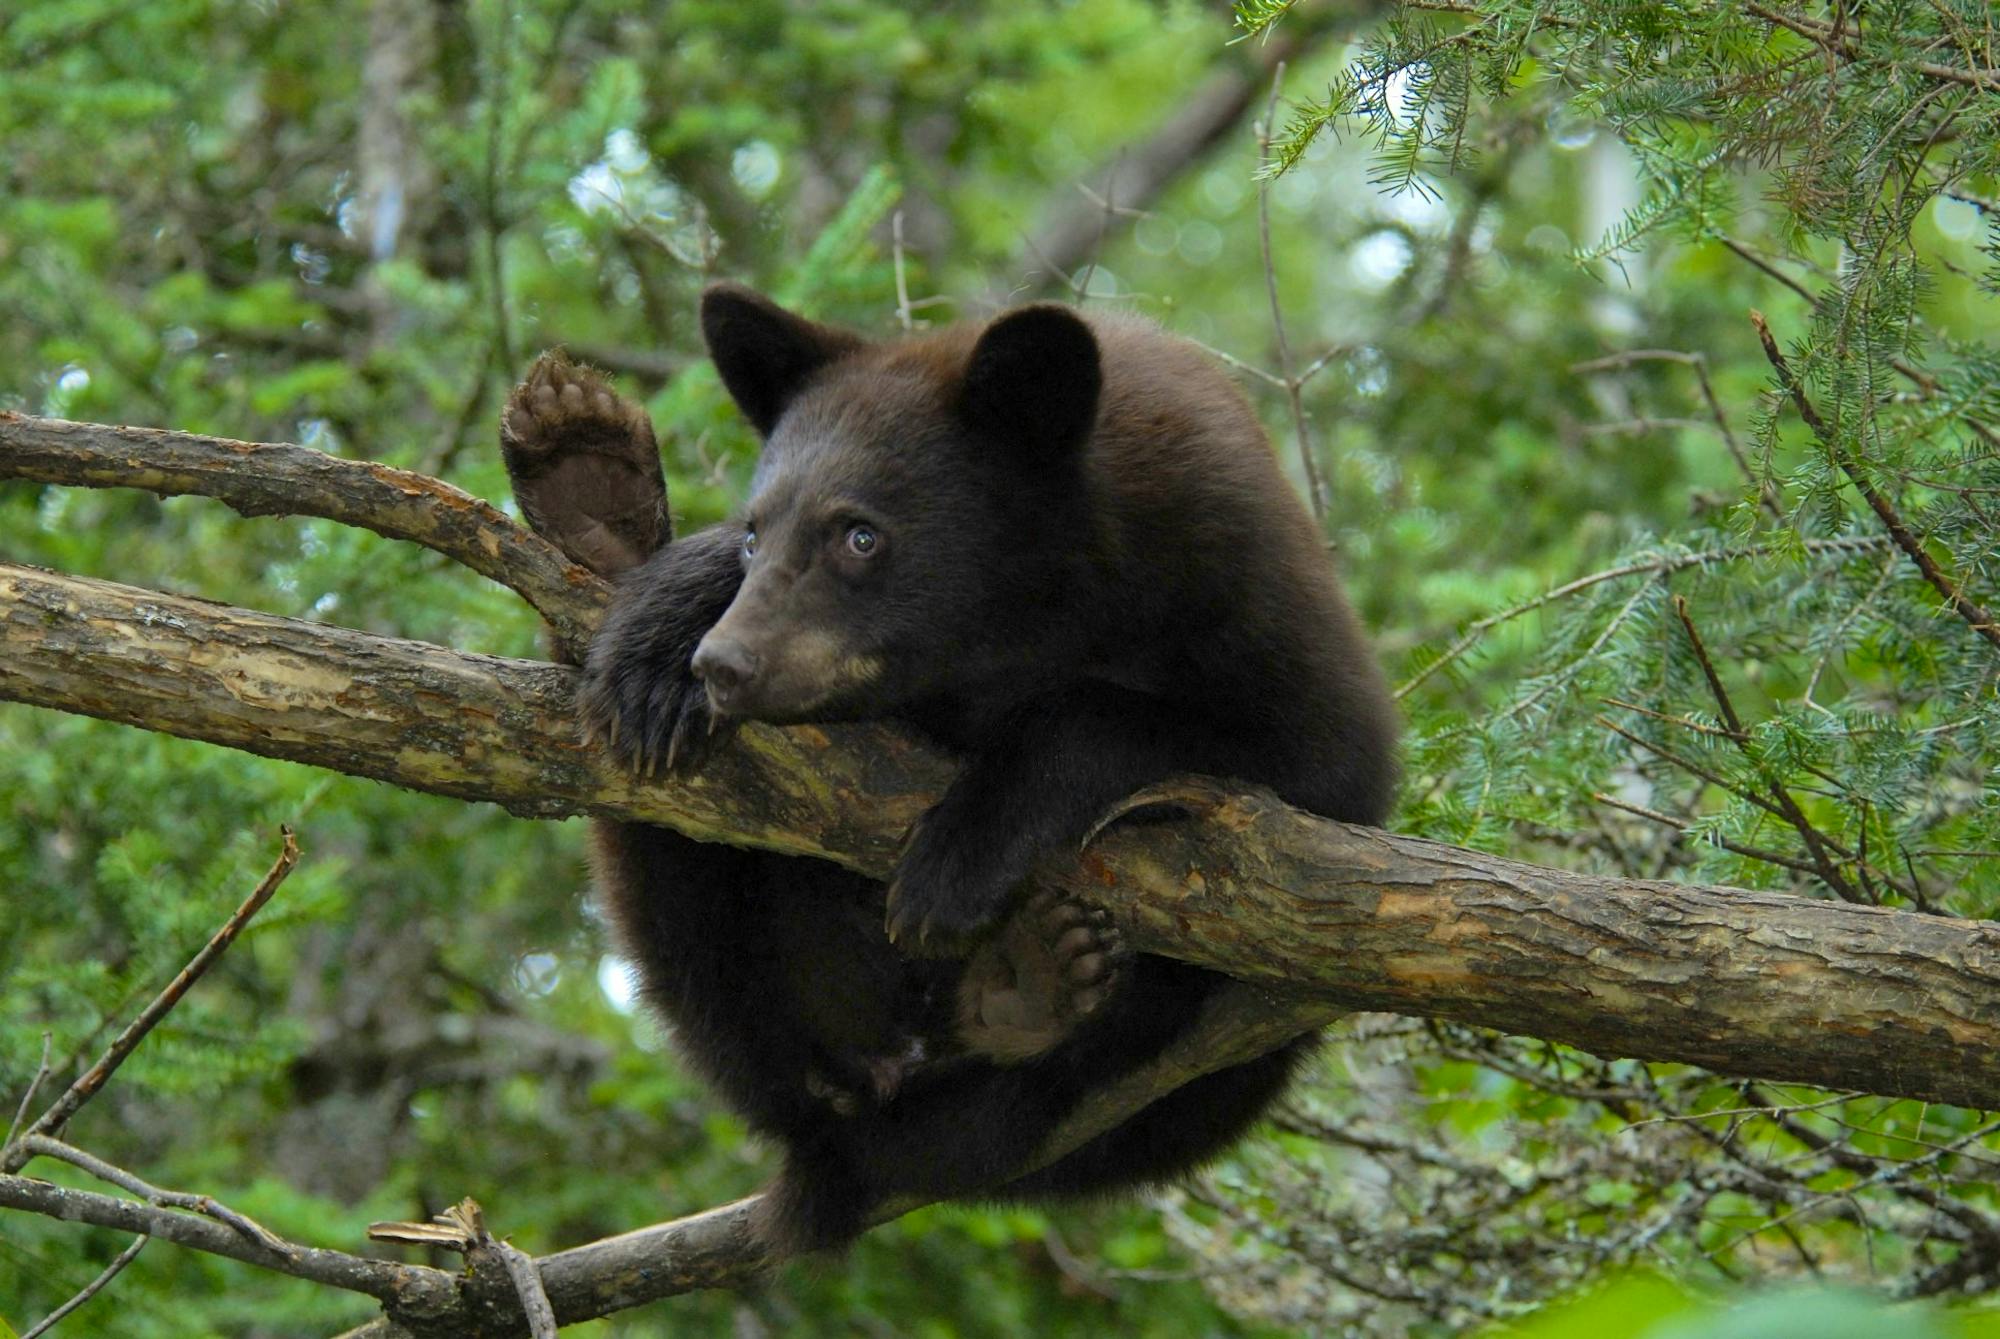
<point>1059,547</point>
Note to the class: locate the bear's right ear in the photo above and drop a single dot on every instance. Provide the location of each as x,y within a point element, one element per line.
<point>1033,382</point>
<point>764,353</point>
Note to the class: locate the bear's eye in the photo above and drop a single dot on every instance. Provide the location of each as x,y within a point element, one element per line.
<point>749,542</point>
<point>862,541</point>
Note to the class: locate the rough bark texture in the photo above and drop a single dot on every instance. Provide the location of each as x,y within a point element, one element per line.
<point>1757,984</point>
<point>275,479</point>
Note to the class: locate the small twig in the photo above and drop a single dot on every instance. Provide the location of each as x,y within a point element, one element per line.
<point>1788,807</point>
<point>491,185</point>
<point>1315,484</point>
<point>1722,703</point>
<point>51,1121</point>
<point>462,1228</point>
<point>902,285</point>
<point>1075,1270</point>
<point>1840,630</point>
<point>42,1145</point>
<point>455,437</point>
<point>1767,493</point>
<point>1670,719</point>
<point>28,1098</point>
<point>1768,268</point>
<point>1231,360</point>
<point>1973,613</point>
<point>1319,364</point>
<point>1576,665</point>
<point>1690,766</point>
<point>521,1269</point>
<point>1107,206</point>
<point>527,1281</point>
<point>1662,566</point>
<point>90,1289</point>
<point>1831,38</point>
<point>1682,826</point>
<point>1613,427</point>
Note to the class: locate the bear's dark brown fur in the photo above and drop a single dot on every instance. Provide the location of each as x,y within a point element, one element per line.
<point>1059,547</point>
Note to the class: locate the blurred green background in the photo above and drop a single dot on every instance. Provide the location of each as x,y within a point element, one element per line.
<point>352,226</point>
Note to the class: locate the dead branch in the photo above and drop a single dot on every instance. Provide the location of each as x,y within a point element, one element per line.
<point>13,1156</point>
<point>89,1290</point>
<point>415,1290</point>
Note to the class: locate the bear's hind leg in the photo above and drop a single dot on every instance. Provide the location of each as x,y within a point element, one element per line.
<point>1050,966</point>
<point>1190,1126</point>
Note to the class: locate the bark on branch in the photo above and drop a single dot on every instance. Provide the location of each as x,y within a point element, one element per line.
<point>1314,917</point>
<point>276,479</point>
<point>1765,985</point>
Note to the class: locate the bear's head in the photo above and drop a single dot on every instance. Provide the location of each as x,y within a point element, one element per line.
<point>917,508</point>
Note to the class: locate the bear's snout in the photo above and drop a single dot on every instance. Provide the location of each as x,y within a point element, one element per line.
<point>724,666</point>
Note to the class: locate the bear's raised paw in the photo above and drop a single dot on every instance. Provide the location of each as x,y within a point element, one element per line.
<point>585,466</point>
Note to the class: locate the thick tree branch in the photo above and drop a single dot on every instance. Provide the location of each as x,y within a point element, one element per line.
<point>1761,984</point>
<point>276,479</point>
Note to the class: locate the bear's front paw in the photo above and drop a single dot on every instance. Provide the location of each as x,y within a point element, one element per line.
<point>654,717</point>
<point>585,466</point>
<point>950,888</point>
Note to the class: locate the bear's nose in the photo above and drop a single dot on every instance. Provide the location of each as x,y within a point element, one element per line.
<point>725,667</point>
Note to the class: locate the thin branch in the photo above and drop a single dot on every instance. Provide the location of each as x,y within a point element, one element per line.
<point>417,1289</point>
<point>42,1146</point>
<point>1075,224</point>
<point>1682,826</point>
<point>1589,653</point>
<point>1814,841</point>
<point>1691,767</point>
<point>1767,493</point>
<point>28,1097</point>
<point>52,1121</point>
<point>90,1289</point>
<point>279,479</point>
<point>1315,484</point>
<point>1662,565</point>
<point>903,316</point>
<point>1669,719</point>
<point>1848,47</point>
<point>1973,613</point>
<point>1770,270</point>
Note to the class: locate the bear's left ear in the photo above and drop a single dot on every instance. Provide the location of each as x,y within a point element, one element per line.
<point>1033,381</point>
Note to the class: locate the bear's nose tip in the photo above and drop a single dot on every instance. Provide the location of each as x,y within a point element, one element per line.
<point>725,667</point>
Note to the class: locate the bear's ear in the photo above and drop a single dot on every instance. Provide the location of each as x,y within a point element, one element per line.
<point>1034,380</point>
<point>764,353</point>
